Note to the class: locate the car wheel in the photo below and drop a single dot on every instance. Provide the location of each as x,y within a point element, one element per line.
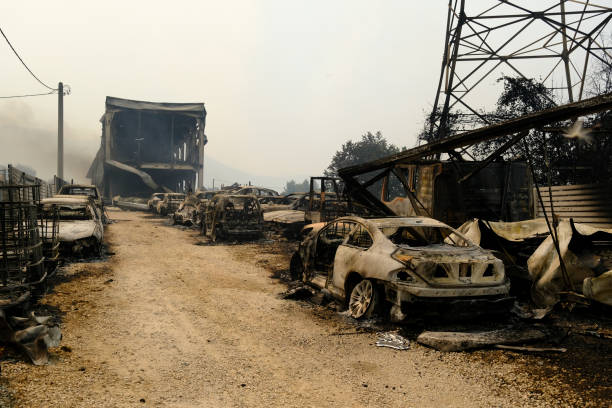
<point>363,300</point>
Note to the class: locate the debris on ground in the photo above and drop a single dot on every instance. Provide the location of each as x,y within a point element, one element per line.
<point>460,341</point>
<point>526,311</point>
<point>298,293</point>
<point>33,335</point>
<point>392,340</point>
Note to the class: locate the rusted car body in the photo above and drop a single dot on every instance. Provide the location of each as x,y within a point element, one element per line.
<point>83,189</point>
<point>288,219</point>
<point>231,215</point>
<point>88,190</point>
<point>80,229</point>
<point>188,213</point>
<point>399,261</point>
<point>155,198</point>
<point>204,199</point>
<point>276,203</point>
<point>169,204</point>
<point>256,191</point>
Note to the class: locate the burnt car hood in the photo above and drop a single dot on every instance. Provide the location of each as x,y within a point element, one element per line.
<point>77,229</point>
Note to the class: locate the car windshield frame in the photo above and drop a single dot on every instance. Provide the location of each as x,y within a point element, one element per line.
<point>422,239</point>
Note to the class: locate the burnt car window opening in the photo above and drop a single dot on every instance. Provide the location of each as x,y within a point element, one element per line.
<point>82,191</point>
<point>73,213</point>
<point>337,231</point>
<point>360,238</point>
<point>419,236</point>
<point>330,239</point>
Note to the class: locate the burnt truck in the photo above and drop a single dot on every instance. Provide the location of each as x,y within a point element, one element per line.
<point>149,147</point>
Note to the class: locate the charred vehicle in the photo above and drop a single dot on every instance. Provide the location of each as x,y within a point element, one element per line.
<point>155,198</point>
<point>86,190</point>
<point>231,215</point>
<point>288,219</point>
<point>411,264</point>
<point>169,204</point>
<point>256,191</point>
<point>80,229</point>
<point>189,210</point>
<point>204,198</point>
<point>276,203</point>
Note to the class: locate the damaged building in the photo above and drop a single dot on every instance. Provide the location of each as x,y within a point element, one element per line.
<point>148,147</point>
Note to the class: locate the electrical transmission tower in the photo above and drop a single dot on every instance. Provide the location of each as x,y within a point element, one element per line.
<point>551,41</point>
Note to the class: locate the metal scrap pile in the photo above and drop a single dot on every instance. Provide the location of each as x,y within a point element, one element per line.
<point>585,265</point>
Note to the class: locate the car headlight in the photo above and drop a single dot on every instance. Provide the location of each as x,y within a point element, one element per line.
<point>404,275</point>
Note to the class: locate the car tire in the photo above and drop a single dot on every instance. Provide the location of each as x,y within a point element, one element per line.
<point>363,301</point>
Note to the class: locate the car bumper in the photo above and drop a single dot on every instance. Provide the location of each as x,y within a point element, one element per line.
<point>470,302</point>
<point>407,292</point>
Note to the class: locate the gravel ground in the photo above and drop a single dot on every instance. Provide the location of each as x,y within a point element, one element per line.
<point>168,322</point>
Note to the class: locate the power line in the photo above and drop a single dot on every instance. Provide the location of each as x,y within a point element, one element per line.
<point>24,64</point>
<point>24,96</point>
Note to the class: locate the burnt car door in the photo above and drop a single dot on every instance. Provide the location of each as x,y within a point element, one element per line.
<point>328,240</point>
<point>351,256</point>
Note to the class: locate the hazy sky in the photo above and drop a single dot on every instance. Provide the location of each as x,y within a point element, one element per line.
<point>285,82</point>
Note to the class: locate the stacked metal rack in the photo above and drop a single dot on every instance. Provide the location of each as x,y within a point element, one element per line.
<point>26,235</point>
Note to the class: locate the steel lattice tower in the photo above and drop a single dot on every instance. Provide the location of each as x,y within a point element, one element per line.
<point>553,41</point>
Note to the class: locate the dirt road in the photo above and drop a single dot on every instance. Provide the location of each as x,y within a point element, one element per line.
<point>165,322</point>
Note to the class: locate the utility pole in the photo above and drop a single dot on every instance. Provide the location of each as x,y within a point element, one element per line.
<point>60,131</point>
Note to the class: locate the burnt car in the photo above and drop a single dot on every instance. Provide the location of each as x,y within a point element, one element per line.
<point>188,212</point>
<point>256,191</point>
<point>169,203</point>
<point>152,203</point>
<point>232,216</point>
<point>204,198</point>
<point>277,203</point>
<point>88,190</point>
<point>80,230</point>
<point>410,264</point>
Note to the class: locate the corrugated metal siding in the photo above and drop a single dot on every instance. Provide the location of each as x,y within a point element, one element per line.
<point>585,203</point>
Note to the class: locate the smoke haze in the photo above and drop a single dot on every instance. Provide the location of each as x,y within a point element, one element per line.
<point>25,140</point>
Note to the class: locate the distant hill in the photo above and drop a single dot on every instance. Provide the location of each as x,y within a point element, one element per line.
<point>225,174</point>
